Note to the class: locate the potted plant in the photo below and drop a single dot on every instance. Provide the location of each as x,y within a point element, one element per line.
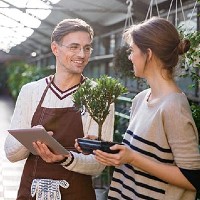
<point>97,97</point>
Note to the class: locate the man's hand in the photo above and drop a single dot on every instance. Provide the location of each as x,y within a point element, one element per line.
<point>45,153</point>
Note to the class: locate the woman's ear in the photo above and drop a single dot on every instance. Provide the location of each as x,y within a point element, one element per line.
<point>149,54</point>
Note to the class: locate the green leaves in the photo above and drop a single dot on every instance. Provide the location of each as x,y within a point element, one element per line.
<point>97,96</point>
<point>20,73</point>
<point>191,60</point>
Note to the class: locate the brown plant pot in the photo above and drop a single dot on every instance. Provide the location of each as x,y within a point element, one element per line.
<point>88,145</point>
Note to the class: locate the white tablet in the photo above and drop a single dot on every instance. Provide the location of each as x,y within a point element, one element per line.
<point>28,136</point>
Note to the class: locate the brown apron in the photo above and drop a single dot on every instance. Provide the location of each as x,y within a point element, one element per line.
<point>66,125</point>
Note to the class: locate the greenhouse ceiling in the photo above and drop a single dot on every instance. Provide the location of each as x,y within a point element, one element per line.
<point>26,25</point>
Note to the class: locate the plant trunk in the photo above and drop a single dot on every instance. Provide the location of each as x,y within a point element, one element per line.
<point>99,131</point>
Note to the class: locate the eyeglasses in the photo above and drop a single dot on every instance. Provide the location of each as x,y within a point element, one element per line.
<point>76,48</point>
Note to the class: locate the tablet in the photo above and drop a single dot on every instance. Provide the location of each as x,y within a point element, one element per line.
<point>30,135</point>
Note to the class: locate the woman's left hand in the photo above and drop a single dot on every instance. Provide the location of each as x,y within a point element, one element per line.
<point>124,156</point>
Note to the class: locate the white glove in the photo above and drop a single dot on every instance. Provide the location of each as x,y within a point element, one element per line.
<point>47,189</point>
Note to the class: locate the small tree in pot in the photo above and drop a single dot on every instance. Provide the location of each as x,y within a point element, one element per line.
<point>97,98</point>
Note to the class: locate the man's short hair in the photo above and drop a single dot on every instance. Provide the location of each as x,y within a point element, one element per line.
<point>67,26</point>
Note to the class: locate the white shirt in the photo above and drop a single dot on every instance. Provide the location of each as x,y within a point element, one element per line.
<point>25,107</point>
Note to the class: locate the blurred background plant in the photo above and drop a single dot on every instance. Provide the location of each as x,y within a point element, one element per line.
<point>122,65</point>
<point>191,68</point>
<point>19,73</point>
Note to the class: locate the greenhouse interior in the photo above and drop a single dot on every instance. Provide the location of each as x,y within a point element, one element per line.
<point>26,55</point>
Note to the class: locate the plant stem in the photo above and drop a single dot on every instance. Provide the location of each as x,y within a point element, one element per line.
<point>99,130</point>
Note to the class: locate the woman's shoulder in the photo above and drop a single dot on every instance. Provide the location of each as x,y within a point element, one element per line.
<point>175,99</point>
<point>142,94</point>
<point>176,102</point>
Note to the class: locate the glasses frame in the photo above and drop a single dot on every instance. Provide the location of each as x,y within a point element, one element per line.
<point>79,48</point>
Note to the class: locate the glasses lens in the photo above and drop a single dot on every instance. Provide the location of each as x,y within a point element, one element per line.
<point>76,48</point>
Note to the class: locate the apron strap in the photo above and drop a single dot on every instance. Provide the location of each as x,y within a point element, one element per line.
<point>46,89</point>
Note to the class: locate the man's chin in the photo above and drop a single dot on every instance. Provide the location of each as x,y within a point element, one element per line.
<point>78,71</point>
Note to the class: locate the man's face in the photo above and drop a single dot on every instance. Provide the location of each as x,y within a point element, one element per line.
<point>73,53</point>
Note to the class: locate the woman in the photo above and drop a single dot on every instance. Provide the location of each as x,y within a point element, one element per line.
<point>160,157</point>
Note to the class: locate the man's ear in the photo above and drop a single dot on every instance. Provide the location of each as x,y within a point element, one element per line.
<point>54,48</point>
<point>149,54</point>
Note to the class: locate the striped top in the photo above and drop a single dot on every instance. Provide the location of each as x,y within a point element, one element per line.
<point>26,105</point>
<point>165,132</point>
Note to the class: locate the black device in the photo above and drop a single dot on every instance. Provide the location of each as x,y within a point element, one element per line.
<point>88,145</point>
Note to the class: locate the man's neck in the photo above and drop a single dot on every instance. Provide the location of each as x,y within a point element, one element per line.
<point>64,82</point>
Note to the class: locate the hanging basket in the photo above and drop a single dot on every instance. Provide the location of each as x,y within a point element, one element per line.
<point>122,65</point>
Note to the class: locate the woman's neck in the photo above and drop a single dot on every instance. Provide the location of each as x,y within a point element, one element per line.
<point>161,87</point>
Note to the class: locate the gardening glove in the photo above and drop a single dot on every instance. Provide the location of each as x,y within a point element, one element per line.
<point>47,189</point>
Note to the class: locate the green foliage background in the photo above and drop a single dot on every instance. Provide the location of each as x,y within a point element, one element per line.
<point>19,73</point>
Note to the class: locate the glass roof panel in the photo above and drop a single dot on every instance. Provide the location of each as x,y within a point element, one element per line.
<point>54,1</point>
<point>7,22</point>
<point>3,4</point>
<point>19,4</point>
<point>19,16</point>
<point>37,4</point>
<point>15,18</point>
<point>41,14</point>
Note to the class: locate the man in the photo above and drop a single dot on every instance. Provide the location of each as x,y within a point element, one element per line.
<point>48,102</point>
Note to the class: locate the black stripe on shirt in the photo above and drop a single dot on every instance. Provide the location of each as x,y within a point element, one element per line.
<point>148,142</point>
<point>144,174</point>
<point>130,189</point>
<point>148,153</point>
<point>112,198</point>
<point>119,192</point>
<point>143,185</point>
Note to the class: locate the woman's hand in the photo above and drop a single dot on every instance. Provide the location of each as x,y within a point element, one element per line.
<point>45,153</point>
<point>124,156</point>
<point>76,145</point>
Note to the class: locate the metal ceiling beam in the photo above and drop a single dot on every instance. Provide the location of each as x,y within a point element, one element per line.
<point>100,10</point>
<point>39,42</point>
<point>23,49</point>
<point>26,49</point>
<point>173,10</point>
<point>98,28</point>
<point>74,10</point>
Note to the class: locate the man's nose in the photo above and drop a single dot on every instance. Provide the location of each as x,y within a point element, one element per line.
<point>81,52</point>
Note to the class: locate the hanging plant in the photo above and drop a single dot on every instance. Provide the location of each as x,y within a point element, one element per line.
<point>191,68</point>
<point>122,65</point>
<point>191,61</point>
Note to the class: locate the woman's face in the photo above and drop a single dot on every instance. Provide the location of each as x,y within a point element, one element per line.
<point>138,58</point>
